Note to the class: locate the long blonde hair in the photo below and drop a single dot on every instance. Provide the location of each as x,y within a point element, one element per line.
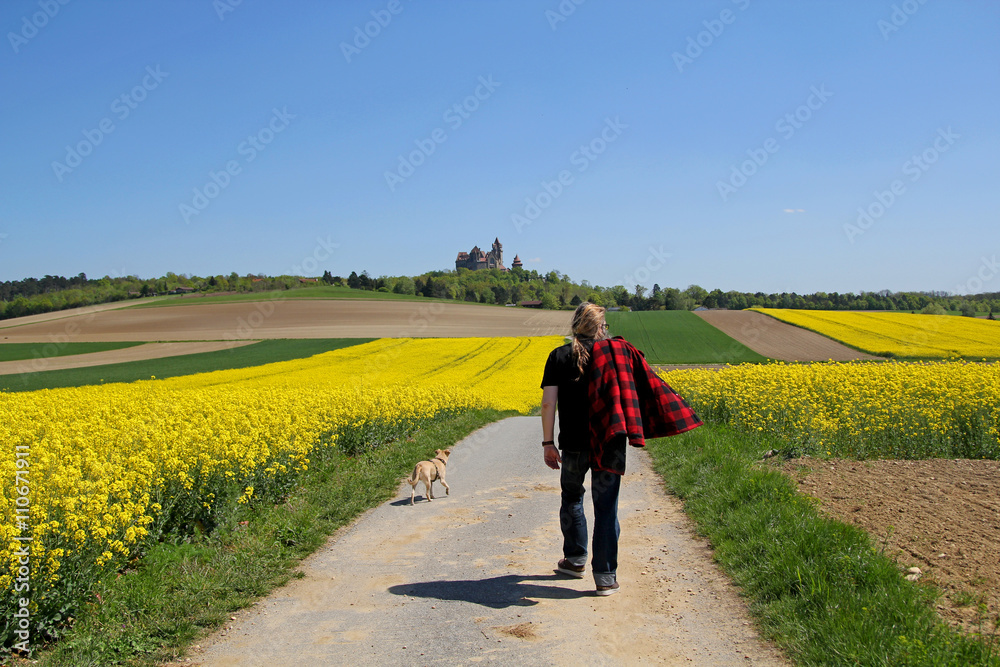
<point>588,325</point>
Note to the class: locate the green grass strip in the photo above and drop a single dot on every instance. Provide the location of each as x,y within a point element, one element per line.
<point>679,337</point>
<point>819,588</point>
<point>255,354</point>
<point>22,351</point>
<point>180,592</point>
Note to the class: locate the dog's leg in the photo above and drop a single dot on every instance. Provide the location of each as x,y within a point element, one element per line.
<point>447,491</point>
<point>429,486</point>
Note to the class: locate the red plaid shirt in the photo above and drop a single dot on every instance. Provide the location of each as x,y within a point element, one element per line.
<point>628,399</point>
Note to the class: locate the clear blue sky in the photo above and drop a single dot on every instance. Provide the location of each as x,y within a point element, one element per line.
<point>642,109</point>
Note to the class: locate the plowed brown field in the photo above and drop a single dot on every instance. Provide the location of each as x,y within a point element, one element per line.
<point>137,353</point>
<point>778,340</point>
<point>942,516</point>
<point>288,318</point>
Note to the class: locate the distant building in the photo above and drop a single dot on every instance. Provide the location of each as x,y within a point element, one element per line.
<point>476,259</point>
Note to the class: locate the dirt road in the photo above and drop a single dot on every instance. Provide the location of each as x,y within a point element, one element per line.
<point>778,340</point>
<point>468,579</point>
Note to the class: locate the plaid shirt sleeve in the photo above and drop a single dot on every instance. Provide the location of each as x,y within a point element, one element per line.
<point>628,399</point>
<point>665,413</point>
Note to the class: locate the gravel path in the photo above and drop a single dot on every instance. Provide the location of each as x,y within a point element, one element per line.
<point>468,579</point>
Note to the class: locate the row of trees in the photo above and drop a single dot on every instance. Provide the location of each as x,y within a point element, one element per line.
<point>492,286</point>
<point>553,290</point>
<point>556,290</point>
<point>675,299</point>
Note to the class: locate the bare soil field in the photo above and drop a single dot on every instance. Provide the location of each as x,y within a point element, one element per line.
<point>287,318</point>
<point>778,340</point>
<point>941,516</point>
<point>61,314</point>
<point>137,353</point>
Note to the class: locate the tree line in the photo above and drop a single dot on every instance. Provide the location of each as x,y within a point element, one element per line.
<point>33,296</point>
<point>519,286</point>
<point>556,290</point>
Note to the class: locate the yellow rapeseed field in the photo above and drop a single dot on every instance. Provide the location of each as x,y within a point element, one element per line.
<point>905,335</point>
<point>864,410</point>
<point>109,466</point>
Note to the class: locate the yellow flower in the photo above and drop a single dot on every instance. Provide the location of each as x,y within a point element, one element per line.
<point>116,457</point>
<point>897,334</point>
<point>898,410</point>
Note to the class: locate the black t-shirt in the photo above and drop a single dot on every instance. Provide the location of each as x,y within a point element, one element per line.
<point>572,404</point>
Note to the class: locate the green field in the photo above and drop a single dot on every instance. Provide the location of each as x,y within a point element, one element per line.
<point>22,351</point>
<point>255,354</point>
<point>678,337</point>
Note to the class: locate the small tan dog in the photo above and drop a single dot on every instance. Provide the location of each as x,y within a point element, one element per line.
<point>427,472</point>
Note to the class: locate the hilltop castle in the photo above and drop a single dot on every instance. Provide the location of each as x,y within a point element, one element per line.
<point>476,259</point>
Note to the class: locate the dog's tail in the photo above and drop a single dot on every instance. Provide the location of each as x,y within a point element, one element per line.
<point>413,477</point>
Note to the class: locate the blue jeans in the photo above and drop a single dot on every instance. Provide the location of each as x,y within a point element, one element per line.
<point>604,487</point>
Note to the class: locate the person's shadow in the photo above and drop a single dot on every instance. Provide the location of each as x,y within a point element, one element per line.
<point>495,592</point>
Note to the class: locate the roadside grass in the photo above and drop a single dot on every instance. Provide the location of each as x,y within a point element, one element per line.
<point>255,354</point>
<point>22,351</point>
<point>679,337</point>
<point>822,590</point>
<point>182,590</point>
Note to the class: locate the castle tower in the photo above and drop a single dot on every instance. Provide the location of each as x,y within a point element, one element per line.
<point>517,263</point>
<point>498,251</point>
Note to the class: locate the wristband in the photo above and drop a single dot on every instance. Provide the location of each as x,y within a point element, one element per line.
<point>547,443</point>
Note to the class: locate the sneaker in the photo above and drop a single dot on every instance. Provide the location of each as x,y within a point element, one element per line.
<point>609,590</point>
<point>566,567</point>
